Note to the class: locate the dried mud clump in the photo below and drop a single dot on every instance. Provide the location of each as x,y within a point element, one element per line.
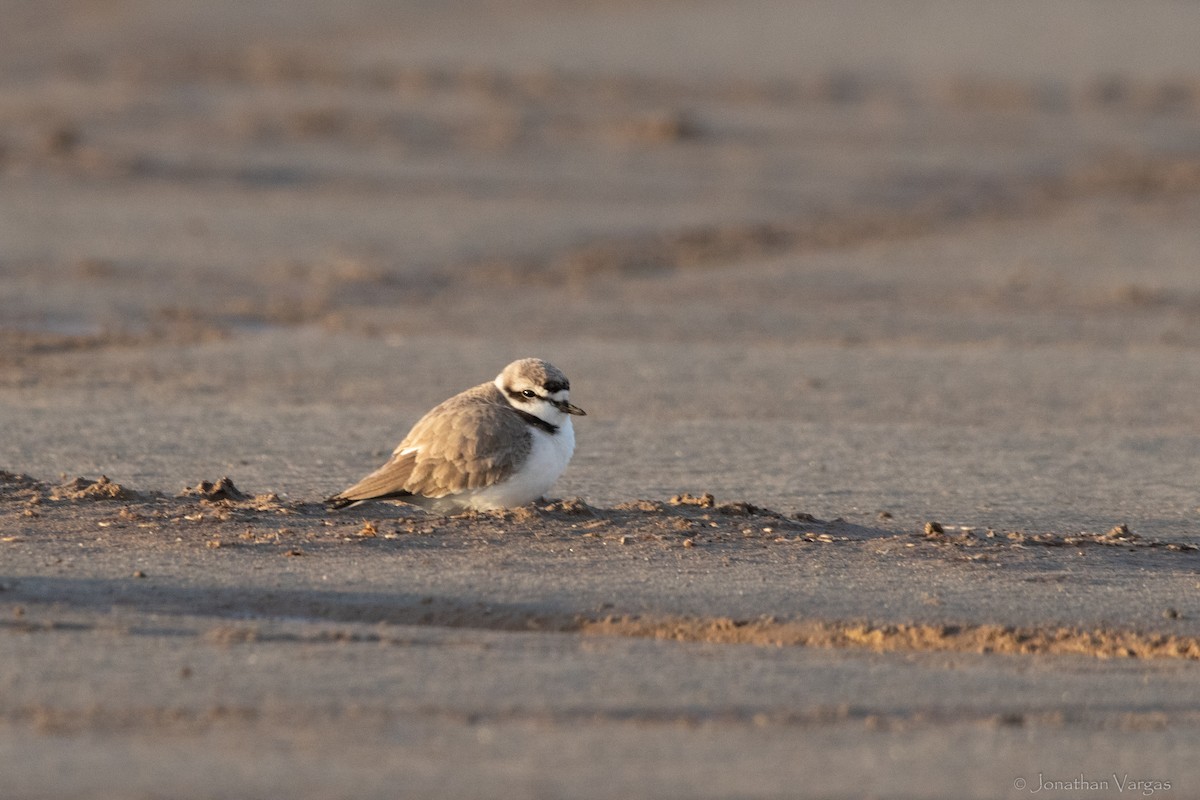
<point>83,489</point>
<point>705,500</point>
<point>214,492</point>
<point>741,508</point>
<point>18,479</point>
<point>14,486</point>
<point>570,506</point>
<point>1121,532</point>
<point>566,507</point>
<point>645,506</point>
<point>738,508</point>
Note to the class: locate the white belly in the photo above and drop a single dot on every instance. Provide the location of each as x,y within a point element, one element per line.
<point>548,457</point>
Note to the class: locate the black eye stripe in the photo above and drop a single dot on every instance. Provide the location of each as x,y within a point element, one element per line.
<point>530,394</point>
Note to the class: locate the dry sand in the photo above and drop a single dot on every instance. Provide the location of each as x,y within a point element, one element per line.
<point>885,317</point>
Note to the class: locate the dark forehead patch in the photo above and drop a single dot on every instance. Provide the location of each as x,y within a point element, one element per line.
<point>553,385</point>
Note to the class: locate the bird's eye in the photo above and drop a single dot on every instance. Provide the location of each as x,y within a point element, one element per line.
<point>530,393</point>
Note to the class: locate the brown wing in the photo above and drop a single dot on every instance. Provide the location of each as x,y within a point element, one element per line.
<point>387,481</point>
<point>464,443</point>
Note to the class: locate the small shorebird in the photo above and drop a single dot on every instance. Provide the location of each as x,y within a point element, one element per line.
<point>500,444</point>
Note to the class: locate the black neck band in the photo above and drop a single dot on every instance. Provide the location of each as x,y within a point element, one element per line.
<point>536,421</point>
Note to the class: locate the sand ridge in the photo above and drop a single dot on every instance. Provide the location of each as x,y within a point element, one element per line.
<point>216,515</point>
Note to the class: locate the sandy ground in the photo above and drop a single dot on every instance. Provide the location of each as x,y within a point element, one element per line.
<point>886,319</point>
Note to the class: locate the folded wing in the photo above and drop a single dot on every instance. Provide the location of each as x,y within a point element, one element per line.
<point>471,445</point>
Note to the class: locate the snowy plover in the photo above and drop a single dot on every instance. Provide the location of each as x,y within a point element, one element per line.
<point>498,445</point>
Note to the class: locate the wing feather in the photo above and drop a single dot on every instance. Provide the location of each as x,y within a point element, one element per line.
<point>471,441</point>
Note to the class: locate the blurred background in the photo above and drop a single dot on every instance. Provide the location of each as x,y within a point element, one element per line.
<point>925,257</point>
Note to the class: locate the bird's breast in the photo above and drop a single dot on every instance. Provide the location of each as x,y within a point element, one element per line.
<point>550,453</point>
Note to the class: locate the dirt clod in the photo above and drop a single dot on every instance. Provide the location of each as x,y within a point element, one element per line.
<point>705,500</point>
<point>83,489</point>
<point>223,489</point>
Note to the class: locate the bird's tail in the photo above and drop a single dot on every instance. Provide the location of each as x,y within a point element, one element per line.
<point>338,502</point>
